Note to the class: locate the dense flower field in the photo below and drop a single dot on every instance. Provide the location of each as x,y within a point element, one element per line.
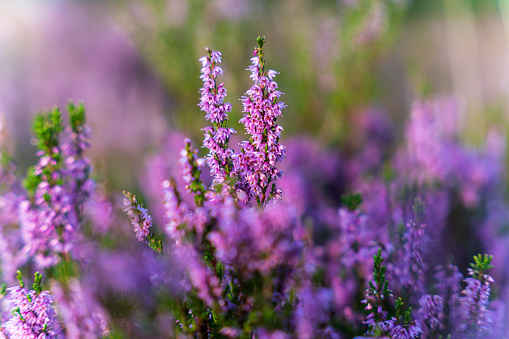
<point>232,248</point>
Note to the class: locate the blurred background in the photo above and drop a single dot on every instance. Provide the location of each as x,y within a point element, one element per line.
<point>135,66</point>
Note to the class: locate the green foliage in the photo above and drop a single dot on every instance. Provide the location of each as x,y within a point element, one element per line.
<point>382,284</point>
<point>403,317</point>
<point>64,271</point>
<point>31,181</point>
<point>377,292</point>
<point>46,128</point>
<point>5,159</point>
<point>20,278</point>
<point>352,201</point>
<point>37,286</point>
<point>77,116</point>
<point>261,41</point>
<point>481,265</point>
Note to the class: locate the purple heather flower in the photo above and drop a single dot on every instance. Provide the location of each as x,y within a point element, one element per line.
<point>77,167</point>
<point>356,241</point>
<point>159,167</point>
<point>100,211</point>
<point>256,164</point>
<point>40,234</point>
<point>139,216</point>
<point>33,316</point>
<point>398,331</point>
<point>216,111</point>
<point>49,220</point>
<point>410,267</point>
<point>201,278</point>
<point>251,240</point>
<point>81,314</point>
<point>474,304</point>
<point>312,311</point>
<point>431,312</point>
<point>176,212</point>
<point>448,280</point>
<point>262,333</point>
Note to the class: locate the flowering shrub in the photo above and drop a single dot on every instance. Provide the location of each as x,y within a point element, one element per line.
<point>374,250</point>
<point>253,269</point>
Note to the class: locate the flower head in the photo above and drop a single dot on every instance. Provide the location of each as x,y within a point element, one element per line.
<point>256,164</point>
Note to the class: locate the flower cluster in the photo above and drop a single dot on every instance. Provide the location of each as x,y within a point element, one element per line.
<point>375,296</point>
<point>297,267</point>
<point>233,259</point>
<point>216,111</point>
<point>476,295</point>
<point>33,316</point>
<point>141,221</point>
<point>256,164</point>
<point>80,311</point>
<point>431,312</point>
<point>78,167</point>
<point>48,216</point>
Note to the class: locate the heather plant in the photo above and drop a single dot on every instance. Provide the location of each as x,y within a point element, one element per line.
<point>253,269</point>
<point>238,250</point>
<point>33,314</point>
<point>475,316</point>
<point>240,259</point>
<point>46,228</point>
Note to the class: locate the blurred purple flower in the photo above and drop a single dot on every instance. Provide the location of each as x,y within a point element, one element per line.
<point>81,314</point>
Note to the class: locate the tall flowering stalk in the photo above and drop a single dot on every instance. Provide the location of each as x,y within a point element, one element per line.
<point>431,314</point>
<point>48,217</point>
<point>256,164</point>
<point>376,296</point>
<point>409,270</point>
<point>448,285</point>
<point>475,297</point>
<point>216,111</point>
<point>57,187</point>
<point>33,316</point>
<point>400,326</point>
<point>77,165</point>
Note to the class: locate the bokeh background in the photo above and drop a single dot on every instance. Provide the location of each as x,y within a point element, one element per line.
<point>135,66</point>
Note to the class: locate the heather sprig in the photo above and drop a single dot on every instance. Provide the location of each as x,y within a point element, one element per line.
<point>376,296</point>
<point>33,315</point>
<point>48,219</point>
<point>448,285</point>
<point>256,163</point>
<point>411,267</point>
<point>46,128</point>
<point>78,167</point>
<point>474,301</point>
<point>216,111</point>
<point>480,266</point>
<point>81,313</point>
<point>402,326</point>
<point>431,314</point>
<point>352,201</point>
<point>141,221</point>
